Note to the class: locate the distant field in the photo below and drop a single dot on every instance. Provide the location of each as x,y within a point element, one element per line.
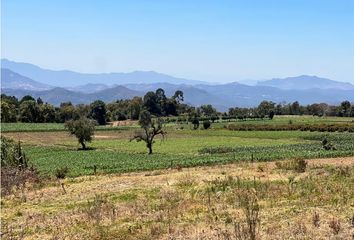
<point>47,127</point>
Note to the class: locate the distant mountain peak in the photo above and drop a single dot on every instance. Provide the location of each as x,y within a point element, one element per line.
<point>67,78</point>
<point>303,82</point>
<point>13,80</point>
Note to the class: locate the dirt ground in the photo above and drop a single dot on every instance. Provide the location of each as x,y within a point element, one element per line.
<point>48,211</point>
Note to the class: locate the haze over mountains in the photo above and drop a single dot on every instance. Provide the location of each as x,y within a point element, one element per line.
<point>20,79</point>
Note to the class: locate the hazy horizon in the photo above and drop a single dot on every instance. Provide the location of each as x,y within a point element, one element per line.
<point>242,81</point>
<point>201,40</point>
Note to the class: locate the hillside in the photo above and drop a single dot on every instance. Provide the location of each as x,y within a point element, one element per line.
<point>13,80</point>
<point>85,88</point>
<point>65,78</point>
<point>305,82</point>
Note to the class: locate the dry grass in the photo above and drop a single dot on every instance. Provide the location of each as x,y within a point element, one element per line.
<point>194,203</point>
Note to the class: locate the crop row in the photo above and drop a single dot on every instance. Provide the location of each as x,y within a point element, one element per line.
<point>83,162</point>
<point>293,127</point>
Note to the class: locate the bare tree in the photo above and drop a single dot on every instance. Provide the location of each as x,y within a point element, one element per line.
<point>150,129</point>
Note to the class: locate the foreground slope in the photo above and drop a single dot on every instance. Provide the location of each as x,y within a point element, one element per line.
<point>195,203</point>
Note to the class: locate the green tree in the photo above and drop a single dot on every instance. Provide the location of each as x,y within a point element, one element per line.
<point>178,96</point>
<point>151,103</point>
<point>135,106</point>
<point>27,98</point>
<point>161,97</point>
<point>345,108</point>
<point>47,113</point>
<point>7,112</point>
<point>150,129</point>
<point>29,111</point>
<point>170,107</point>
<point>66,112</point>
<point>83,129</point>
<point>10,99</point>
<point>295,108</point>
<point>265,107</point>
<point>98,112</point>
<point>195,122</point>
<point>206,124</point>
<point>39,101</point>
<point>208,110</point>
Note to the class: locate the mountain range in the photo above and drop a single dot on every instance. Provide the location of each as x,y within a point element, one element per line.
<point>19,79</point>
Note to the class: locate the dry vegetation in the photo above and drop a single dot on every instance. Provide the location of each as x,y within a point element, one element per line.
<point>238,201</point>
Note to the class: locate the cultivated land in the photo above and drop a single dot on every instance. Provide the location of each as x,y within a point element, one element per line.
<point>140,196</point>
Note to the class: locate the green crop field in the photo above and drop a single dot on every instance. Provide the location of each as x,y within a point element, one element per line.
<point>49,147</point>
<point>113,152</point>
<point>49,127</point>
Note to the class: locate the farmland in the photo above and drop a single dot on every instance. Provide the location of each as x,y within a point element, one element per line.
<point>114,153</point>
<point>117,189</point>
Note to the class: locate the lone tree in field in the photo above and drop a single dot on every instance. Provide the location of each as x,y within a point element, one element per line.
<point>150,129</point>
<point>83,129</point>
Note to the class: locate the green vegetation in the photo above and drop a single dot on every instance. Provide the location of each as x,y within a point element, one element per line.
<point>183,146</point>
<point>50,127</point>
<point>293,198</point>
<point>235,202</point>
<point>83,129</point>
<point>180,149</point>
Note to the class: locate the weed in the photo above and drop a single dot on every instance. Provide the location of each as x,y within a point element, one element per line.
<point>61,172</point>
<point>335,226</point>
<point>316,219</point>
<point>248,201</point>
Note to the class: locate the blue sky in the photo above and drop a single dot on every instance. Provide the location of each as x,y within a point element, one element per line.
<point>216,41</point>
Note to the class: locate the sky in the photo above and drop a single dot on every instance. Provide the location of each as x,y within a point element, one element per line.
<point>217,41</point>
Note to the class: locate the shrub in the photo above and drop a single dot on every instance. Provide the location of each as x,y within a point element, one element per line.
<point>195,123</point>
<point>327,145</point>
<point>12,178</point>
<point>248,201</point>
<point>15,172</point>
<point>12,154</point>
<point>61,172</point>
<point>206,124</point>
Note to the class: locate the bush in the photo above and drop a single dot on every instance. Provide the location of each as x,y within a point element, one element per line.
<point>195,123</point>
<point>12,178</point>
<point>12,154</point>
<point>206,124</point>
<point>327,145</point>
<point>248,201</point>
<point>61,172</point>
<point>15,172</point>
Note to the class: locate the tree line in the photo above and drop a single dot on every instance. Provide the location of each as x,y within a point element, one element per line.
<point>33,110</point>
<point>157,104</point>
<point>269,108</point>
